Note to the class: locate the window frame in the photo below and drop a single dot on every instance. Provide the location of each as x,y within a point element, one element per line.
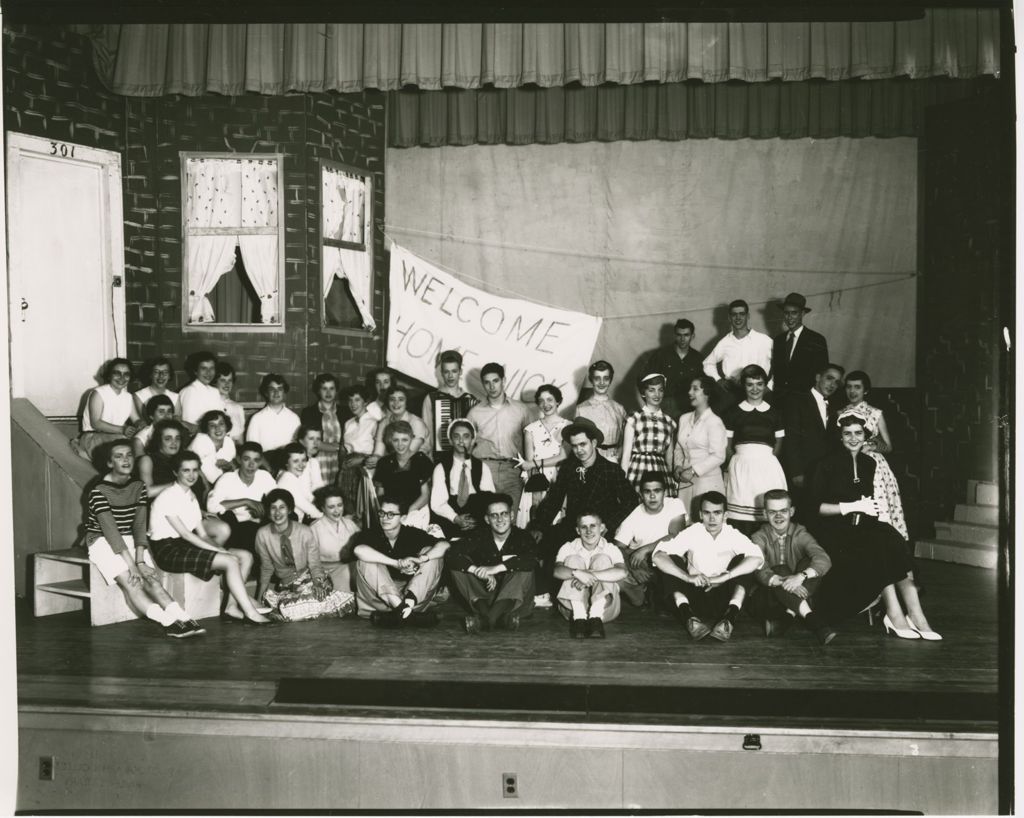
<point>256,328</point>
<point>367,178</point>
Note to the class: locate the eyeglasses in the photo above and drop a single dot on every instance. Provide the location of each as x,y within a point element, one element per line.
<point>389,515</point>
<point>500,515</point>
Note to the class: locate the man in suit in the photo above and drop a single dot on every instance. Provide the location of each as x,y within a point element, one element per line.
<point>799,353</point>
<point>808,419</point>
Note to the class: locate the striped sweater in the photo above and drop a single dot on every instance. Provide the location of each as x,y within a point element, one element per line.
<point>117,511</point>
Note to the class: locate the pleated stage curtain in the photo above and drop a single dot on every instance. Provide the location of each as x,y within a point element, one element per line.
<point>669,111</point>
<point>192,59</point>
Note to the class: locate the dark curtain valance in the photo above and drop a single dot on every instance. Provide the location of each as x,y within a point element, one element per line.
<point>193,59</point>
<point>690,110</point>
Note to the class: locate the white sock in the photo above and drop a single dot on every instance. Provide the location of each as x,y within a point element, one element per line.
<point>680,599</point>
<point>804,608</point>
<point>158,614</point>
<point>579,610</point>
<point>175,610</point>
<point>597,607</point>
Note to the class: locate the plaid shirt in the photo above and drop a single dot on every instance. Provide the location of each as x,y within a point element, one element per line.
<point>602,487</point>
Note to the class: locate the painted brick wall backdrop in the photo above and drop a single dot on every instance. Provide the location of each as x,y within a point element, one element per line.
<point>51,90</point>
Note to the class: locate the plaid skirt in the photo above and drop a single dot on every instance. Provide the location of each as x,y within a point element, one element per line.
<point>328,467</point>
<point>176,556</point>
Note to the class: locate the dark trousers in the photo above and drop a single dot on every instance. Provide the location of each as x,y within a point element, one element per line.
<point>554,538</point>
<point>514,585</point>
<point>243,534</point>
<point>708,604</point>
<point>772,603</point>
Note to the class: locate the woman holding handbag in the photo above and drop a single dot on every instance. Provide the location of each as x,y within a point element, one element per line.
<point>544,450</point>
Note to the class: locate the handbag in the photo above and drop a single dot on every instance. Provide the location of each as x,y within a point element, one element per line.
<point>537,481</point>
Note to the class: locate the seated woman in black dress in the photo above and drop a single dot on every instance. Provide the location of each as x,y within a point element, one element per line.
<point>405,475</point>
<point>861,525</point>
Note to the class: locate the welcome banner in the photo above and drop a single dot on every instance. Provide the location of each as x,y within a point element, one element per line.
<point>432,310</point>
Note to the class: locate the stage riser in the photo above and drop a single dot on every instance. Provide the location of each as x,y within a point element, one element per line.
<point>132,761</point>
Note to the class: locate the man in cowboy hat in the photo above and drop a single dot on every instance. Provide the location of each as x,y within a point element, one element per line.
<point>799,353</point>
<point>585,481</point>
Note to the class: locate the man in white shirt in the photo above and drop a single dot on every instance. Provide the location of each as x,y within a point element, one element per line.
<point>590,569</point>
<point>705,569</point>
<point>656,520</point>
<point>500,421</point>
<point>736,350</point>
<point>237,496</point>
<point>458,482</point>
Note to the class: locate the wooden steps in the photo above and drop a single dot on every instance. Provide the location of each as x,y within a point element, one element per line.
<point>972,536</point>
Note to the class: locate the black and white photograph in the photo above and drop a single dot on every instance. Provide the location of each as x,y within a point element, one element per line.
<point>509,408</point>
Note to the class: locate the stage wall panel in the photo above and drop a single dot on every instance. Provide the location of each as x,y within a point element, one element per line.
<point>645,232</point>
<point>138,760</point>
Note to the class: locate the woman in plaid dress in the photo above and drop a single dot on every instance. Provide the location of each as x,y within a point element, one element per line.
<point>648,440</point>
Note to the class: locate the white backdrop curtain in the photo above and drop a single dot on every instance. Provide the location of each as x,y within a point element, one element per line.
<point>343,217</point>
<point>643,233</point>
<point>155,59</point>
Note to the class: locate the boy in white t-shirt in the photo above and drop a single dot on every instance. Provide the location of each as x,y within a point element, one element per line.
<point>656,520</point>
<point>590,569</point>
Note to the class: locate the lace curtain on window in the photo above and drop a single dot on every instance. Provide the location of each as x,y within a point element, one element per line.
<point>260,253</point>
<point>344,218</point>
<point>231,193</point>
<point>213,199</point>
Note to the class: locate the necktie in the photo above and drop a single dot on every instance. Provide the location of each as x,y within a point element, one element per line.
<point>790,343</point>
<point>286,551</point>
<point>463,495</point>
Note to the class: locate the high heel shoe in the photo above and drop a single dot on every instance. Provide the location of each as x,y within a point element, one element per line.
<point>902,633</point>
<point>930,636</point>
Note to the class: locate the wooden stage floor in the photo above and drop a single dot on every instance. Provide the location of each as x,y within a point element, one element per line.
<point>63,661</point>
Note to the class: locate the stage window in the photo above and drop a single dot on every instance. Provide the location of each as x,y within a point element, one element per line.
<point>233,242</point>
<point>346,247</point>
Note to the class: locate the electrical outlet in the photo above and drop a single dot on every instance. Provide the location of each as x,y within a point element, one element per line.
<point>46,768</point>
<point>509,785</point>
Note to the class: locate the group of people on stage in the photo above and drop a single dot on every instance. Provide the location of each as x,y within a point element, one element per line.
<point>736,484</point>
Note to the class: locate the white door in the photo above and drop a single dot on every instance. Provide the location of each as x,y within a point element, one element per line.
<point>66,268</point>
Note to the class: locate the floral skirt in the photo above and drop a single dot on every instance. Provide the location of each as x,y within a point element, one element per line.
<point>296,601</point>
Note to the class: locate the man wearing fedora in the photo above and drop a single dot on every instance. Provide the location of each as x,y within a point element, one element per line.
<point>798,353</point>
<point>585,481</point>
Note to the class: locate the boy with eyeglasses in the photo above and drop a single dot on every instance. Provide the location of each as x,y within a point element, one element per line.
<point>398,569</point>
<point>493,570</point>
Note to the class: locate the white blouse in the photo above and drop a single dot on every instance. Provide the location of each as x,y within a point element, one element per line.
<point>702,442</point>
